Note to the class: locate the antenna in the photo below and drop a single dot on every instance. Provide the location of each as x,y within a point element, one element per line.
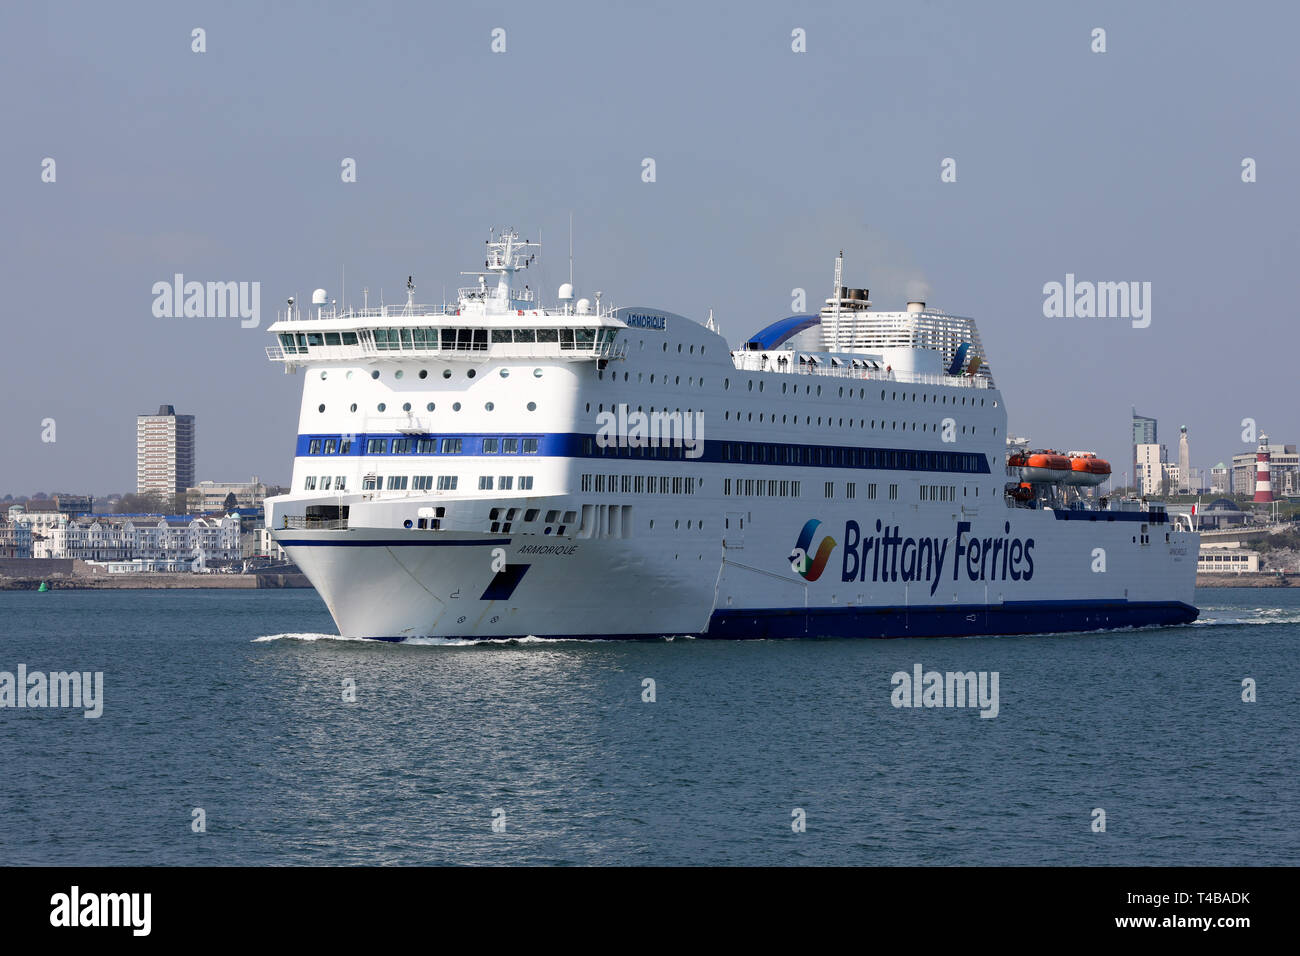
<point>570,247</point>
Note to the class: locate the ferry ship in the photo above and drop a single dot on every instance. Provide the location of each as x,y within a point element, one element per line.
<point>497,467</point>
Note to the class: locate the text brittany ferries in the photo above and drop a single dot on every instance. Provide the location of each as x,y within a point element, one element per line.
<point>849,473</point>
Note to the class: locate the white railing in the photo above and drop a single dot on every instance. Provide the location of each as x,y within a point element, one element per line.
<point>878,375</point>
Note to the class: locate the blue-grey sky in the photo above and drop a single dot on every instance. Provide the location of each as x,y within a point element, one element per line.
<point>225,165</point>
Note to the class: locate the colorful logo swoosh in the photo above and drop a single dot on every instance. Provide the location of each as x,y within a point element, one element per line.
<point>811,566</point>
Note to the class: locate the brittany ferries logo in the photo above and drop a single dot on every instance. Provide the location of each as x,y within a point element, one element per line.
<point>800,563</point>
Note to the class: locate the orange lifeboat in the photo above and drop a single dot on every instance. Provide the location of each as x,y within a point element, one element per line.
<point>1023,492</point>
<point>1088,470</point>
<point>1040,466</point>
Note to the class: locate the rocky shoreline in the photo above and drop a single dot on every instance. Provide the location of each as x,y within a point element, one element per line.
<point>1268,579</point>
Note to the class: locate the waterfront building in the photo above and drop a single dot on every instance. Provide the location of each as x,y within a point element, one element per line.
<point>164,452</point>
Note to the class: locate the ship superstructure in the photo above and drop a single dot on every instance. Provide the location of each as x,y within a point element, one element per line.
<point>498,468</point>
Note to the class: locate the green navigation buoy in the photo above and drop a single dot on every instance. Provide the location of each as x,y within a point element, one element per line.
<point>43,587</point>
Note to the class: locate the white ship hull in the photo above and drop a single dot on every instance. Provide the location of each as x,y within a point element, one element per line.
<point>399,584</point>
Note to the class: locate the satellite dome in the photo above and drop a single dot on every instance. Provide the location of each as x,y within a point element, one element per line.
<point>566,292</point>
<point>319,297</point>
<point>584,306</point>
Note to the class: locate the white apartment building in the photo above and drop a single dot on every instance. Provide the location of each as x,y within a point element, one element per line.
<point>47,530</point>
<point>153,539</point>
<point>164,452</point>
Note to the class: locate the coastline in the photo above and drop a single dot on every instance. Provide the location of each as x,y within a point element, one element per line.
<point>1249,580</point>
<point>159,581</point>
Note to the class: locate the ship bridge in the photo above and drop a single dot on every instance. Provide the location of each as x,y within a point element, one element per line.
<point>487,322</point>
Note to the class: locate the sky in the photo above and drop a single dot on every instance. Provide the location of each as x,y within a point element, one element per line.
<point>226,165</point>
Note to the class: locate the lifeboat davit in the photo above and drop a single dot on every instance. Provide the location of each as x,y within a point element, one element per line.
<point>1088,470</point>
<point>1041,466</point>
<point>1022,491</point>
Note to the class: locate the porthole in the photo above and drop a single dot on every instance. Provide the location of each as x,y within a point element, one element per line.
<point>320,408</point>
<point>375,374</point>
<point>406,407</point>
<point>322,375</point>
<point>489,406</point>
<point>532,406</point>
<point>406,523</point>
<point>455,406</point>
<point>505,373</point>
<point>470,373</point>
<point>397,374</point>
<point>537,373</point>
<point>446,373</point>
<point>424,373</point>
<point>429,407</point>
<point>382,406</point>
<point>349,374</point>
<point>354,406</point>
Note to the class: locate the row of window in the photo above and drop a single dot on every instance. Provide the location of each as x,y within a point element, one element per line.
<point>938,492</point>
<point>638,484</point>
<point>444,339</point>
<point>766,453</point>
<point>760,488</point>
<point>935,398</point>
<point>423,446</point>
<point>418,483</point>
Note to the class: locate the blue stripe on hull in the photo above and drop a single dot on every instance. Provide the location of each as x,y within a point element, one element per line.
<point>957,620</point>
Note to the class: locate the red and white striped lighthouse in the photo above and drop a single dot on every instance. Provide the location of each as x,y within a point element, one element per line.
<point>1263,484</point>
